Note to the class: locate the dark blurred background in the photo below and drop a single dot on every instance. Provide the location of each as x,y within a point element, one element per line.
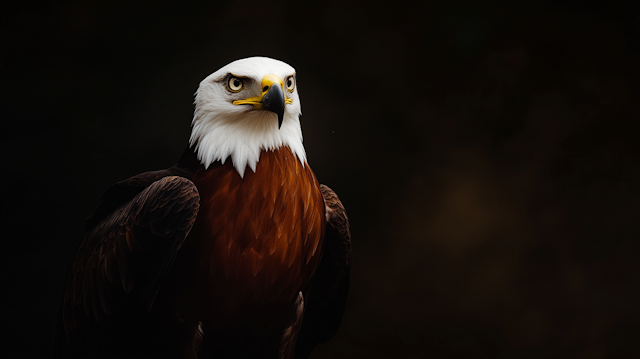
<point>485,151</point>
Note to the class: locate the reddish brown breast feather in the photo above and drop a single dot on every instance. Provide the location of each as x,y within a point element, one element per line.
<point>260,236</point>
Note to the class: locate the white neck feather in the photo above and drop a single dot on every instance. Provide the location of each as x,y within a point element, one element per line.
<point>243,137</point>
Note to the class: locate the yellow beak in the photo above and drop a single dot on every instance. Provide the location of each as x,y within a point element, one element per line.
<point>271,99</point>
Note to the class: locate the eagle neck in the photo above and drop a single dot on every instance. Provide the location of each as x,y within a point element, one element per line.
<point>243,145</point>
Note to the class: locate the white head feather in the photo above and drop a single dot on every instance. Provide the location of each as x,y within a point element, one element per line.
<point>222,129</point>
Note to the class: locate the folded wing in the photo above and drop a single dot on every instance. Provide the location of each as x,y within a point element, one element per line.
<point>122,261</point>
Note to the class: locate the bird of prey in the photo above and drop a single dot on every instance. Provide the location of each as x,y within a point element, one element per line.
<point>234,252</point>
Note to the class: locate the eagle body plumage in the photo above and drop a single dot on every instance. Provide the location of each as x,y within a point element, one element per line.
<point>207,260</point>
<point>268,227</point>
<point>257,241</point>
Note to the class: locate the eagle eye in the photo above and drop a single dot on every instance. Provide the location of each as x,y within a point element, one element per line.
<point>235,84</point>
<point>291,83</point>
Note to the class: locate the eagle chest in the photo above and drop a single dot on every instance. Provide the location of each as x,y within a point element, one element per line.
<point>260,235</point>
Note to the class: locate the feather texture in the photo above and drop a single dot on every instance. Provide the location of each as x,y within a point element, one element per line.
<point>121,262</point>
<point>254,229</point>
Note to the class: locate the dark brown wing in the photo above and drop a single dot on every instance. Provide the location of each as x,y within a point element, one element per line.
<point>120,265</point>
<point>123,191</point>
<point>328,295</point>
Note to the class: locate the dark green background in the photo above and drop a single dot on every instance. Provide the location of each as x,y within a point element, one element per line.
<point>485,151</point>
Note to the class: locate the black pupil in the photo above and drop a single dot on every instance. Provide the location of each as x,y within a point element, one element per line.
<point>289,82</point>
<point>236,83</point>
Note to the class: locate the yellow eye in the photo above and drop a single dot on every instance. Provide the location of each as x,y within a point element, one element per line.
<point>235,84</point>
<point>291,83</point>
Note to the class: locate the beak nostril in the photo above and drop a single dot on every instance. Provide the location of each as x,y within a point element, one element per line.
<point>265,88</point>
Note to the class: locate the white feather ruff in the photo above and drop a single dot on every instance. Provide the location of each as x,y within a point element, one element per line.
<point>221,129</point>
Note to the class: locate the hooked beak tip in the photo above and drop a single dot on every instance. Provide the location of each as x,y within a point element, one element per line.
<point>274,101</point>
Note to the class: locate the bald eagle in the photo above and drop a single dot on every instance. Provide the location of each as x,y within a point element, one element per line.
<point>234,252</point>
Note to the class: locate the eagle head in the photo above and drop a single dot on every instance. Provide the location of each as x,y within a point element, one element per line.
<point>245,107</point>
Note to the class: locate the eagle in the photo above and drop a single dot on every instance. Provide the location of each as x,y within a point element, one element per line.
<point>234,252</point>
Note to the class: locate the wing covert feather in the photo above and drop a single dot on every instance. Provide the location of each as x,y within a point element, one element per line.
<point>124,257</point>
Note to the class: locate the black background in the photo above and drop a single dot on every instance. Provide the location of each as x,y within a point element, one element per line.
<point>485,151</point>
